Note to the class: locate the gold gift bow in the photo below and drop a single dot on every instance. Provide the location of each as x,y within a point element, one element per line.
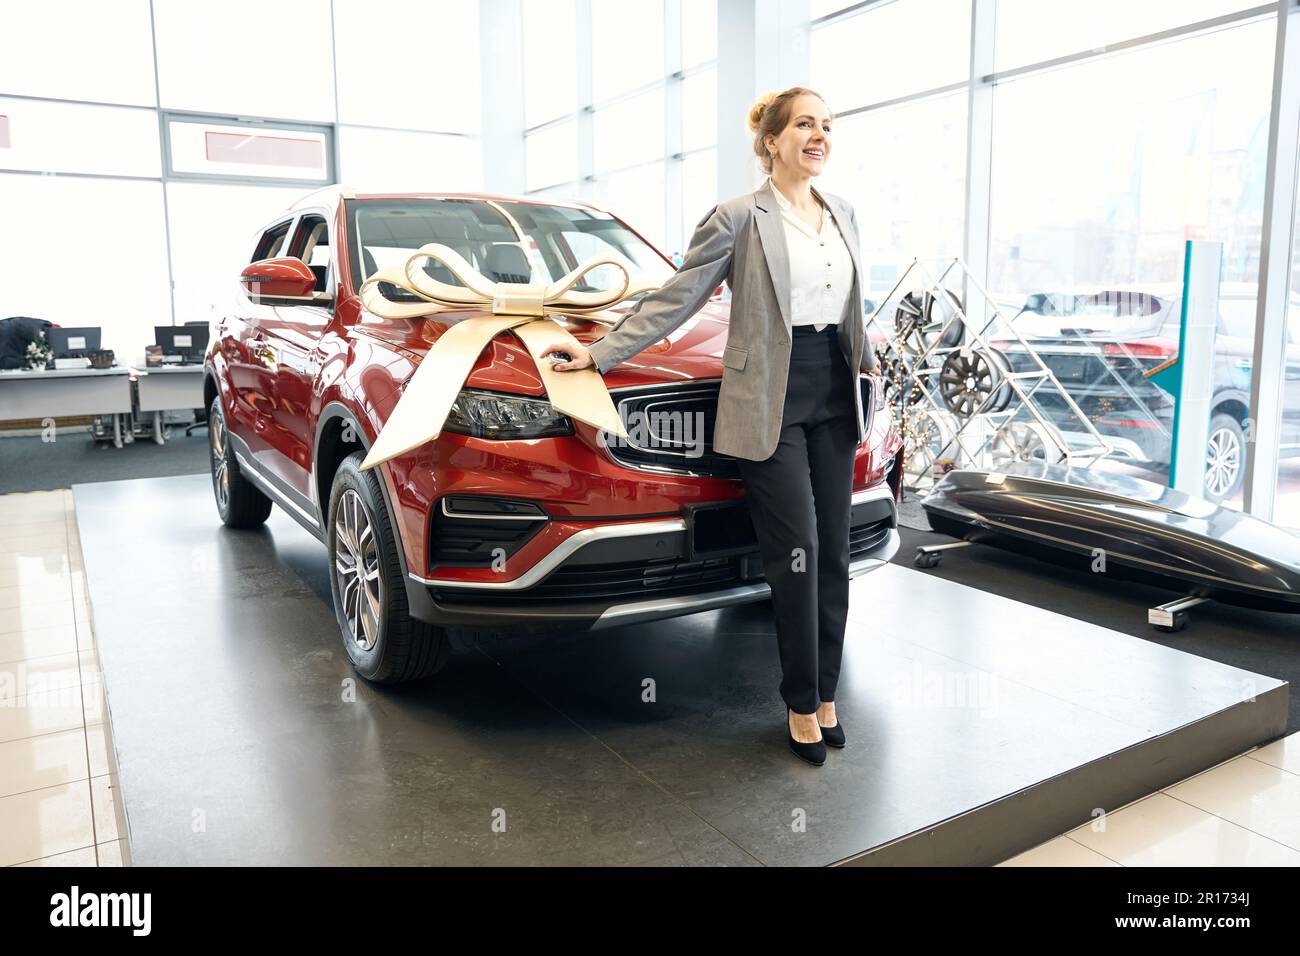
<point>424,405</point>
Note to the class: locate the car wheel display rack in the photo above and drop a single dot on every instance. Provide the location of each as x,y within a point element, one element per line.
<point>956,399</point>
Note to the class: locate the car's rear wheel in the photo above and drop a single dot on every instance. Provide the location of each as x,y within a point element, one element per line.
<point>240,504</point>
<point>383,641</point>
<point>1225,458</point>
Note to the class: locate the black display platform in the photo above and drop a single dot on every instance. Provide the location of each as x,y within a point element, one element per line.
<point>978,727</point>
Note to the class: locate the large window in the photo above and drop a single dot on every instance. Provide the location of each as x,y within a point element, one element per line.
<point>643,101</point>
<point>630,132</point>
<point>101,51</point>
<point>552,155</point>
<point>550,61</point>
<point>89,251</point>
<point>246,57</point>
<point>1287,509</point>
<point>1031,31</point>
<point>52,137</point>
<point>627,46</point>
<point>1101,173</point>
<point>400,161</point>
<point>637,197</point>
<point>403,65</point>
<point>890,50</point>
<point>213,228</point>
<point>178,128</point>
<point>904,171</point>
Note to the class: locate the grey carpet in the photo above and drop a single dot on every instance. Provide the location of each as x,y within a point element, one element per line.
<point>29,464</point>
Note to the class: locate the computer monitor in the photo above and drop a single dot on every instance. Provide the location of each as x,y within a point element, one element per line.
<point>187,341</point>
<point>72,342</point>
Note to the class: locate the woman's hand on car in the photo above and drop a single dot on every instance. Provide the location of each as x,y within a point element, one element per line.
<point>579,357</point>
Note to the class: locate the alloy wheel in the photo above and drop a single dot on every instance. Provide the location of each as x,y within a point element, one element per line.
<point>356,569</point>
<point>220,467</point>
<point>1222,461</point>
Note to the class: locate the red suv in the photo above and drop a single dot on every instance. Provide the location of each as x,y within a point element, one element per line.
<point>516,518</point>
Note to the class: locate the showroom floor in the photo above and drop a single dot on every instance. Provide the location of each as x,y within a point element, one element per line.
<point>58,782</point>
<point>58,785</point>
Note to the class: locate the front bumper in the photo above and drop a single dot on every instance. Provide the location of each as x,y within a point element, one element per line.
<point>632,571</point>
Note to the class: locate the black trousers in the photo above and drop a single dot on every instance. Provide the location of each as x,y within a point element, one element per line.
<point>800,502</point>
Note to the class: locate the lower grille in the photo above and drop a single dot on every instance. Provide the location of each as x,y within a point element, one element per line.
<point>468,540</point>
<point>647,578</point>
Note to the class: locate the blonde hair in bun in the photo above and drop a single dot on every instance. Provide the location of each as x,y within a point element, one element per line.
<point>769,115</point>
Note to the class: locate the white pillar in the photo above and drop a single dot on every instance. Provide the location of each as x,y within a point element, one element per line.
<point>762,46</point>
<point>979,141</point>
<point>501,56</point>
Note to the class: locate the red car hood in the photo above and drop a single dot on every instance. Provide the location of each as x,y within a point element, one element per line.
<point>693,351</point>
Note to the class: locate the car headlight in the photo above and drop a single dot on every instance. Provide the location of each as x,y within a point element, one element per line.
<point>504,417</point>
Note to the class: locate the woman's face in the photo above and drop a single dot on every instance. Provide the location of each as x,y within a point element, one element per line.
<point>804,145</point>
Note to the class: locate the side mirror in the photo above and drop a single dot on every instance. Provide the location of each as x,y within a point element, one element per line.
<point>285,278</point>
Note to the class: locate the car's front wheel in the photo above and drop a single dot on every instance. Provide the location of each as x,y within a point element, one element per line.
<point>1225,458</point>
<point>383,641</point>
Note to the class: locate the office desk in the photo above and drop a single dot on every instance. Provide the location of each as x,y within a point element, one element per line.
<point>63,393</point>
<point>162,388</point>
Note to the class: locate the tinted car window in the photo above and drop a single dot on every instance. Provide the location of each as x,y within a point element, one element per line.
<point>272,242</point>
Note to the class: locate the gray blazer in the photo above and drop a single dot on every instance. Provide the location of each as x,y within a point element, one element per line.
<point>742,241</point>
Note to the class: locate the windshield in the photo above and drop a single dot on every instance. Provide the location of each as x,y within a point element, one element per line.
<point>506,241</point>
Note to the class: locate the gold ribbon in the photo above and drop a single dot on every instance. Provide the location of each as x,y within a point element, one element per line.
<point>517,307</point>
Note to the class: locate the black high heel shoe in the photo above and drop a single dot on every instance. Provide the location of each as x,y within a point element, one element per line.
<point>834,736</point>
<point>814,753</point>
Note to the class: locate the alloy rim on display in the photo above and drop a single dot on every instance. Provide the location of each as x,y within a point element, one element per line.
<point>971,381</point>
<point>220,470</point>
<point>356,570</point>
<point>923,320</point>
<point>1019,443</point>
<point>1222,462</point>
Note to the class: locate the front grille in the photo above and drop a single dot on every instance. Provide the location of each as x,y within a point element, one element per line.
<point>625,581</point>
<point>672,429</point>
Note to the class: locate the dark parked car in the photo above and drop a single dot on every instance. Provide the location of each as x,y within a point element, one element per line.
<point>1099,342</point>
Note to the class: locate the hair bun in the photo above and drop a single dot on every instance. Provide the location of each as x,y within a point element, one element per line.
<point>756,111</point>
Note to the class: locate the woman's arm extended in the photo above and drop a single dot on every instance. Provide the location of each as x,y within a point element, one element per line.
<point>706,264</point>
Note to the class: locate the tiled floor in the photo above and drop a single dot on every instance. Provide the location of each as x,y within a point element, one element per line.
<point>1244,812</point>
<point>58,801</point>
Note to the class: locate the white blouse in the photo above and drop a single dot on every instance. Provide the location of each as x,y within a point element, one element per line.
<point>821,269</point>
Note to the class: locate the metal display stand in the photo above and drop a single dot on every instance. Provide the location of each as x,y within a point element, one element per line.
<point>954,395</point>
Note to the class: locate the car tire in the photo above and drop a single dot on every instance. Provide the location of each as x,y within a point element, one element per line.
<point>239,502</point>
<point>385,644</point>
<point>1225,458</point>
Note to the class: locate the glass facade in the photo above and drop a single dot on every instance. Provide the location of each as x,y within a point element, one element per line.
<point>180,129</point>
<point>1116,133</point>
<point>647,121</point>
